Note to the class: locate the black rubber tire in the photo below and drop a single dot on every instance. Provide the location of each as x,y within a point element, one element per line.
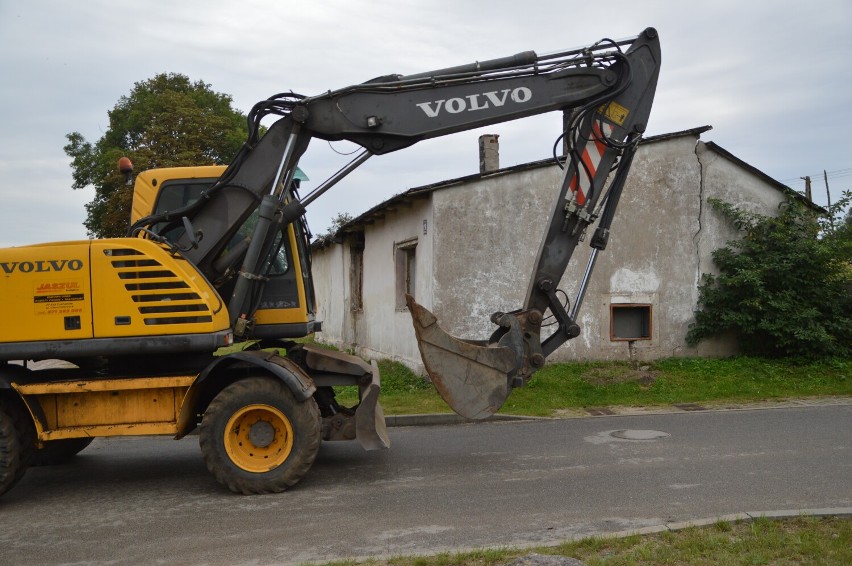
<point>12,454</point>
<point>236,399</point>
<point>58,451</point>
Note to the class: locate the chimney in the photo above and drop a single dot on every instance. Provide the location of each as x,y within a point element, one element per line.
<point>489,153</point>
<point>808,194</point>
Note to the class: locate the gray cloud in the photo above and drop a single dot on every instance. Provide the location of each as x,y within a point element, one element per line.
<point>773,81</point>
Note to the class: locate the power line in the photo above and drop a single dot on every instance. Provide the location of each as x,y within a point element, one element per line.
<point>838,174</point>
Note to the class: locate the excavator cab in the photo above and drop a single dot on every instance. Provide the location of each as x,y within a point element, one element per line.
<point>285,307</point>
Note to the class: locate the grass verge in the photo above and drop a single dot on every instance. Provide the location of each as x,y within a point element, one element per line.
<point>802,540</point>
<point>676,381</point>
<point>598,384</point>
<point>671,381</point>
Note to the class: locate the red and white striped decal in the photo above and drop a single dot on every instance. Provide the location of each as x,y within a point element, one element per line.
<point>591,157</point>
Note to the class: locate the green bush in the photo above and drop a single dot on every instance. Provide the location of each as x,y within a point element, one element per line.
<point>784,287</point>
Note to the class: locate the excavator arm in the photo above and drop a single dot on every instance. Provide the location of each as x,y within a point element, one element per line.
<point>608,87</point>
<point>475,378</point>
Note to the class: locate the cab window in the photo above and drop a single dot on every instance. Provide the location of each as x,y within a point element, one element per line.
<point>177,194</point>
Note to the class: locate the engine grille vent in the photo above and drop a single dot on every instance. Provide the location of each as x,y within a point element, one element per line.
<point>161,296</point>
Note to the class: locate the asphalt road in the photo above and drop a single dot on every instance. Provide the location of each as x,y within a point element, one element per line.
<point>439,488</point>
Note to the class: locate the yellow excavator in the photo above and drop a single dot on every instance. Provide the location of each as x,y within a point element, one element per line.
<point>189,322</point>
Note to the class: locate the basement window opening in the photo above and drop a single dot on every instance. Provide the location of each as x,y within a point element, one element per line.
<point>356,273</point>
<point>630,322</point>
<point>406,271</point>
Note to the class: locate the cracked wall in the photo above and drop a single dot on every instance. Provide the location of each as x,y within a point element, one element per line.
<point>483,235</point>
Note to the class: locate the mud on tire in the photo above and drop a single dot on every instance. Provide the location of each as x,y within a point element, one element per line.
<point>17,438</point>
<point>257,438</point>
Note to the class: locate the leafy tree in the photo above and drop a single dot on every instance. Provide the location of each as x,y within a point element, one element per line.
<point>166,121</point>
<point>340,219</point>
<point>784,287</point>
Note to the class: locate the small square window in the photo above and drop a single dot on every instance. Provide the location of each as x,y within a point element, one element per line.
<point>629,322</point>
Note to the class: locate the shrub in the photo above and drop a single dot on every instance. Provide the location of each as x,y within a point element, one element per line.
<point>784,287</point>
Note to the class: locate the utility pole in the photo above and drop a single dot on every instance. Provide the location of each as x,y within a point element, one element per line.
<point>828,196</point>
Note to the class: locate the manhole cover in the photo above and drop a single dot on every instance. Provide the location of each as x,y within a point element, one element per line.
<point>632,434</point>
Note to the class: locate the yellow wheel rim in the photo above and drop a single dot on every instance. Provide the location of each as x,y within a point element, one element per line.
<point>258,438</point>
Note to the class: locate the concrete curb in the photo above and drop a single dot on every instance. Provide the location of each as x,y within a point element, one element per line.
<point>730,518</point>
<point>430,419</point>
<point>649,530</point>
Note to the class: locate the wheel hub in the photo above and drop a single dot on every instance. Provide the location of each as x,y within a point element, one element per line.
<point>258,438</point>
<point>261,434</point>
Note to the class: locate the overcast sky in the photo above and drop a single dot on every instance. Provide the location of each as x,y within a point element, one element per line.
<point>773,78</point>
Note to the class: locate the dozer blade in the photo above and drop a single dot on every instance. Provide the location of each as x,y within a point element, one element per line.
<point>471,376</point>
<point>370,428</point>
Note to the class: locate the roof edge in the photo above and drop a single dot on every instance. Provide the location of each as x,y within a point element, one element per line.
<point>762,176</point>
<point>423,190</point>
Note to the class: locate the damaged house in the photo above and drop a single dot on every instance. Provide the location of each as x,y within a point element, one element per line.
<point>465,249</point>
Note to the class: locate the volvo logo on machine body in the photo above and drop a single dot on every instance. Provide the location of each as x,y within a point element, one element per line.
<point>478,101</point>
<point>41,266</point>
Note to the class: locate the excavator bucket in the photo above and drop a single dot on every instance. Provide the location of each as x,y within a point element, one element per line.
<point>473,377</point>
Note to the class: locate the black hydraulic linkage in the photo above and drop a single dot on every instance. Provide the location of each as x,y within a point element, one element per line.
<point>475,378</point>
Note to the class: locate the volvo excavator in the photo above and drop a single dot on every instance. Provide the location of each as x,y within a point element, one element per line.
<point>189,322</point>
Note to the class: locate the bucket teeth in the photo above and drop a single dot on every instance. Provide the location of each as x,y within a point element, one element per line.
<point>471,376</point>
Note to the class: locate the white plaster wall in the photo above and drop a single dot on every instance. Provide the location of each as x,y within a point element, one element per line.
<point>482,237</point>
<point>727,181</point>
<point>386,331</point>
<point>651,257</point>
<point>379,329</point>
<point>487,233</point>
<point>326,267</point>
